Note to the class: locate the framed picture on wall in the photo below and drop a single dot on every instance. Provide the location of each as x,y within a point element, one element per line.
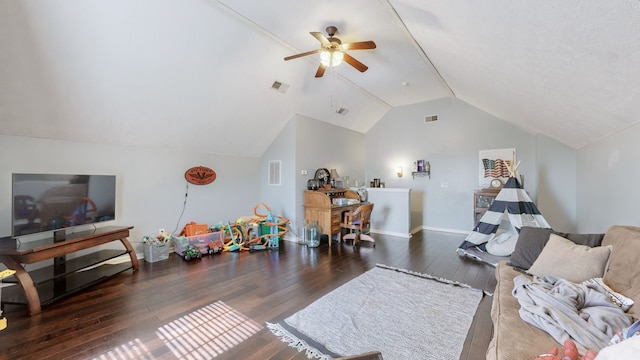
<point>494,164</point>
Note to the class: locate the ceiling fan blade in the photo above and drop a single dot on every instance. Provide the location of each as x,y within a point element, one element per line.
<point>355,63</point>
<point>302,54</point>
<point>320,71</point>
<point>361,45</point>
<point>320,37</point>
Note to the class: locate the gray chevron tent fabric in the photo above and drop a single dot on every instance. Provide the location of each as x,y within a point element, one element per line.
<point>516,203</point>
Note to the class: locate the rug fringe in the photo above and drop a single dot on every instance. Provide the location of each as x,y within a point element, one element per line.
<point>296,343</point>
<point>427,276</point>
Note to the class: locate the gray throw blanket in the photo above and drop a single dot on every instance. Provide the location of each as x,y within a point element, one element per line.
<point>582,312</point>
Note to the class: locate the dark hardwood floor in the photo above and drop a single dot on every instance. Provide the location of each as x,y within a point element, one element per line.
<point>123,315</point>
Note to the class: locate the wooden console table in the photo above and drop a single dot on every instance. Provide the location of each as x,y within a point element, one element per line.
<point>43,286</point>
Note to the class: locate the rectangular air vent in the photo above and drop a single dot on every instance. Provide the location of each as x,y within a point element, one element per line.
<point>430,118</point>
<point>274,176</point>
<point>277,85</point>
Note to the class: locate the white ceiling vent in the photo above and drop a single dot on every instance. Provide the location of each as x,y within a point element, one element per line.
<point>282,87</point>
<point>430,118</point>
<point>342,111</point>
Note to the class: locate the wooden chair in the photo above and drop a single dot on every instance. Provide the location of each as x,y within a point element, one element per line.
<point>357,222</point>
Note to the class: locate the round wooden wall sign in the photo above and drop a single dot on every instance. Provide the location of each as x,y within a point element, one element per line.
<point>200,175</point>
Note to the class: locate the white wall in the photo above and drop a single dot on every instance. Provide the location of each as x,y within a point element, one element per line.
<point>280,199</point>
<point>308,144</point>
<point>322,145</point>
<point>608,177</point>
<point>451,145</point>
<point>150,183</point>
<point>556,166</point>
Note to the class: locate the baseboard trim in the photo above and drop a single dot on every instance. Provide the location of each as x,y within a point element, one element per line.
<point>391,233</point>
<point>452,231</point>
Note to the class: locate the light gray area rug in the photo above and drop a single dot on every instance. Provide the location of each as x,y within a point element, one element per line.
<point>402,314</point>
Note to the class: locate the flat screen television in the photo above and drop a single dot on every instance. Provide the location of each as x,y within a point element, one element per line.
<point>50,202</point>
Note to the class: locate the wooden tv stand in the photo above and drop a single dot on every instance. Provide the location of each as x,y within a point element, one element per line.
<point>45,285</point>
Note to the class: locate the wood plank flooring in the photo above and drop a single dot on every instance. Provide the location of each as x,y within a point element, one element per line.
<point>123,315</point>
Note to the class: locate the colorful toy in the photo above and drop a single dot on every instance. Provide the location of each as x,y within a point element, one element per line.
<point>260,232</point>
<point>238,237</point>
<point>191,252</point>
<point>215,250</point>
<point>277,226</point>
<point>216,242</point>
<point>256,242</point>
<point>4,274</point>
<point>192,228</point>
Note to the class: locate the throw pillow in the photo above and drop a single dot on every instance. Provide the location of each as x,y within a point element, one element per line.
<point>570,261</point>
<point>532,240</point>
<point>591,240</point>
<point>530,243</point>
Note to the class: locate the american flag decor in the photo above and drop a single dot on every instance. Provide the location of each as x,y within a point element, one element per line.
<point>496,168</point>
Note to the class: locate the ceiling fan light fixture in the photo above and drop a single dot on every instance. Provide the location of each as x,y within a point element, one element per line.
<point>333,52</point>
<point>331,57</point>
<point>337,57</point>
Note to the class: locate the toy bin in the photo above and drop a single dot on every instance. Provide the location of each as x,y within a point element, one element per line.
<point>156,252</point>
<point>181,244</point>
<point>216,241</point>
<point>207,243</point>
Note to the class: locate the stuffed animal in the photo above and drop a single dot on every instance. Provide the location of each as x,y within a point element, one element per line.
<point>570,353</point>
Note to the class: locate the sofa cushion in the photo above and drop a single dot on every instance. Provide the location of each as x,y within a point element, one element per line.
<point>512,337</point>
<point>623,275</point>
<point>567,260</point>
<point>532,240</point>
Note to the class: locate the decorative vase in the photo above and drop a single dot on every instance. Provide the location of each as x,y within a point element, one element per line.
<point>302,236</point>
<point>313,234</point>
<point>312,184</point>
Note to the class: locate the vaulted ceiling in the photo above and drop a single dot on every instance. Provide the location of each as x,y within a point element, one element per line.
<point>198,74</point>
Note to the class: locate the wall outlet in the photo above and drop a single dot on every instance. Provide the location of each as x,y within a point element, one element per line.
<point>160,231</point>
<point>303,172</point>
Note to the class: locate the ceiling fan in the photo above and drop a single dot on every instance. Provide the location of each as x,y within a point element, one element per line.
<point>332,51</point>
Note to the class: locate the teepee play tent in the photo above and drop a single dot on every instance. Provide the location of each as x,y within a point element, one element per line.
<point>512,201</point>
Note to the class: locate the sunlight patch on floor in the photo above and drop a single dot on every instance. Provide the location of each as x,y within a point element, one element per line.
<point>202,334</point>
<point>132,350</point>
<point>207,332</point>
